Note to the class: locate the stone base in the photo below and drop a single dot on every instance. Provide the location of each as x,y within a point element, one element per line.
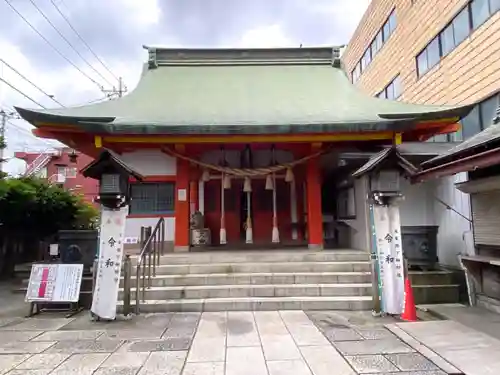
<point>181,249</point>
<point>313,246</point>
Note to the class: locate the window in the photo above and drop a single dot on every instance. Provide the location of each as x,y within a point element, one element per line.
<point>346,203</point>
<point>461,26</point>
<point>374,47</point>
<point>71,172</point>
<point>494,6</point>
<point>447,40</point>
<point>473,15</point>
<point>61,170</point>
<point>480,12</point>
<point>392,91</point>
<point>433,53</point>
<point>488,110</point>
<point>152,198</point>
<point>471,124</point>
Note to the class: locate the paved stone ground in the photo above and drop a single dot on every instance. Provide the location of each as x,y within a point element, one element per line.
<point>212,343</point>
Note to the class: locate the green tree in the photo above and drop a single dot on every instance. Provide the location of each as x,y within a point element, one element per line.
<point>32,208</point>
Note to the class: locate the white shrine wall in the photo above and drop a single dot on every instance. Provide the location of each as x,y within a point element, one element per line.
<point>150,163</point>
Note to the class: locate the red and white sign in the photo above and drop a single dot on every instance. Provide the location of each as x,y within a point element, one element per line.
<point>54,283</point>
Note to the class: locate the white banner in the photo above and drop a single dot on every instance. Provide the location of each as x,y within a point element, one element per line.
<point>390,257</point>
<point>110,262</point>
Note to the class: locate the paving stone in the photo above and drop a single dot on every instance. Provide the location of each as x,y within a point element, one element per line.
<point>37,324</point>
<point>164,363</point>
<point>412,373</point>
<point>9,361</point>
<point>30,372</point>
<point>279,348</point>
<point>68,335</point>
<point>296,367</point>
<point>388,346</point>
<point>181,329</point>
<point>158,345</point>
<point>241,329</point>
<point>132,360</point>
<point>208,350</point>
<point>342,334</point>
<point>411,361</point>
<point>85,346</point>
<point>368,364</point>
<point>9,336</point>
<point>81,364</point>
<point>147,322</point>
<point>117,371</point>
<point>204,368</point>
<point>245,361</point>
<point>130,334</point>
<point>374,333</point>
<point>323,359</point>
<point>25,347</point>
<point>43,361</point>
<point>8,320</point>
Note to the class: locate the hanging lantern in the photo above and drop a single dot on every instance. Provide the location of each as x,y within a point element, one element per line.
<point>269,182</point>
<point>247,185</point>
<point>289,175</point>
<point>227,181</point>
<point>205,177</point>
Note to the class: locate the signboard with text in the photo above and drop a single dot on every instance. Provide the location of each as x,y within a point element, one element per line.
<point>387,225</point>
<point>54,283</point>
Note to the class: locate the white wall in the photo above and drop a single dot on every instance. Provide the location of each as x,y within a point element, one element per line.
<point>420,207</point>
<point>151,162</point>
<point>133,226</point>
<point>360,227</point>
<point>417,208</point>
<point>455,233</point>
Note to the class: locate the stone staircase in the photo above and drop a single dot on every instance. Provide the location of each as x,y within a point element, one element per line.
<point>259,280</point>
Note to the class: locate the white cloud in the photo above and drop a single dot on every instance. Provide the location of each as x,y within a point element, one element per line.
<point>266,37</point>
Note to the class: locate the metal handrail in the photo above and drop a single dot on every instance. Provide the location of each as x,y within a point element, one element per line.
<point>153,245</point>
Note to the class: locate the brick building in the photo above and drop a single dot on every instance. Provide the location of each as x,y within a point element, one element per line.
<point>432,52</point>
<point>56,165</point>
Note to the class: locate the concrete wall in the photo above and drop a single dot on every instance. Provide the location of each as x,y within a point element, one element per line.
<point>150,163</point>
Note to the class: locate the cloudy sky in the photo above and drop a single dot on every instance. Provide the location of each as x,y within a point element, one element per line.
<point>116,31</point>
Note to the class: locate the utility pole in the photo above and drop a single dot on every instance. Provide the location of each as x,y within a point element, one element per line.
<point>117,91</point>
<point>4,116</point>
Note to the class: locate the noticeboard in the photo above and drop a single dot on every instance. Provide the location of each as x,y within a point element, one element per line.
<point>54,283</point>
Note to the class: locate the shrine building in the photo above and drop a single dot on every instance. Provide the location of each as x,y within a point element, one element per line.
<point>251,138</point>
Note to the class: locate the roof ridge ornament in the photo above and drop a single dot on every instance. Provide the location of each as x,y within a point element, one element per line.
<point>152,61</point>
<point>336,63</point>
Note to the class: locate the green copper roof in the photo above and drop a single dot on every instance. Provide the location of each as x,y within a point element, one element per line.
<point>229,91</point>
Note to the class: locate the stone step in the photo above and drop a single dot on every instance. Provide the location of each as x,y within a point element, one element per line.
<point>261,256</point>
<point>273,267</point>
<point>428,294</point>
<point>259,278</point>
<point>238,291</point>
<point>438,277</point>
<point>255,304</point>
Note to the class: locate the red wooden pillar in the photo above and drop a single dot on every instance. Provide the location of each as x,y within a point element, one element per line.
<point>314,213</point>
<point>181,241</point>
<point>193,196</point>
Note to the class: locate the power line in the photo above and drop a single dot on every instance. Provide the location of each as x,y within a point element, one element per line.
<point>26,79</point>
<point>52,46</point>
<point>67,41</point>
<point>26,131</point>
<point>22,93</point>
<point>83,40</point>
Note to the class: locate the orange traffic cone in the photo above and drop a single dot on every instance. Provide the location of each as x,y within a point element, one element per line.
<point>410,311</point>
